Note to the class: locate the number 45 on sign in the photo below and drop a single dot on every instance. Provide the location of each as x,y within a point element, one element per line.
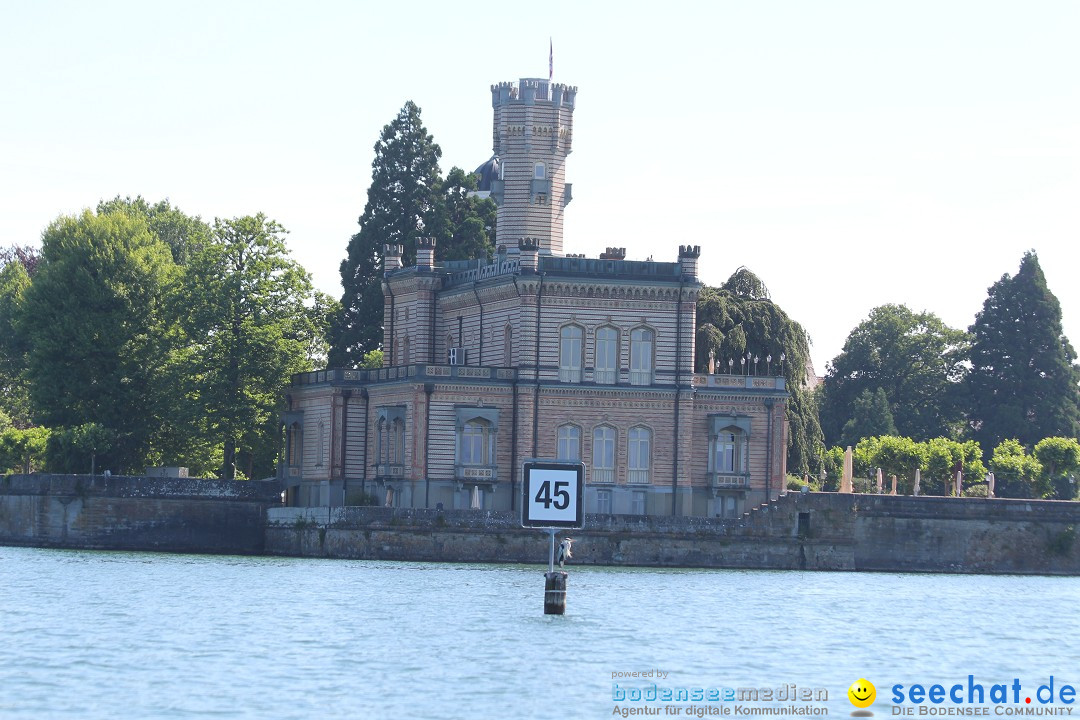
<point>552,494</point>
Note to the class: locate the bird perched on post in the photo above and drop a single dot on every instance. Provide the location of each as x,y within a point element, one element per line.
<point>564,551</point>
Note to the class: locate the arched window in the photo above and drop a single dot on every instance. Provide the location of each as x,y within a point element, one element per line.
<point>475,446</point>
<point>642,342</point>
<point>508,346</point>
<point>607,355</point>
<point>569,443</point>
<point>728,452</point>
<point>571,340</point>
<point>603,454</point>
<point>404,351</point>
<point>639,454</point>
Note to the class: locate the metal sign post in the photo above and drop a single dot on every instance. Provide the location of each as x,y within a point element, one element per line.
<point>553,498</point>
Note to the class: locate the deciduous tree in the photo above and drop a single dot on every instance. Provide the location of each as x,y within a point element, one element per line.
<point>14,391</point>
<point>92,325</point>
<point>249,321</point>
<point>917,361</point>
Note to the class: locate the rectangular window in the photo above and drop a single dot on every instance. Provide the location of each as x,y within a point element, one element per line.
<point>637,502</point>
<point>603,502</point>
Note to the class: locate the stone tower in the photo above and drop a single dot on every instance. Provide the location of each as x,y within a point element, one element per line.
<point>532,132</point>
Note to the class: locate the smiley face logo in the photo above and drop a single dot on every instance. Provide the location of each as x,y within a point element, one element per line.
<point>862,693</point>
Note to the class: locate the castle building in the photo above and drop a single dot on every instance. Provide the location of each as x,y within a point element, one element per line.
<point>536,354</point>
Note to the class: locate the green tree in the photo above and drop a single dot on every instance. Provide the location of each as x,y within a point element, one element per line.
<point>1060,459</point>
<point>81,449</point>
<point>14,391</point>
<point>372,359</point>
<point>183,234</point>
<point>249,320</point>
<point>467,223</point>
<point>870,417</point>
<point>917,361</point>
<point>403,204</point>
<point>895,456</point>
<point>739,319</point>
<point>92,324</point>
<point>1023,380</point>
<point>23,450</point>
<point>1016,473</point>
<point>942,457</point>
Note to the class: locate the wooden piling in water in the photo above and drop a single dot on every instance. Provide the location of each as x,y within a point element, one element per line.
<point>554,593</point>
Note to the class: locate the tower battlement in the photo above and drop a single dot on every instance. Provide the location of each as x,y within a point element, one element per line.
<point>531,90</point>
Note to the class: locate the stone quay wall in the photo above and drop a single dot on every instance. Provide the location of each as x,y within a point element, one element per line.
<point>135,513</point>
<point>797,531</point>
<point>815,531</point>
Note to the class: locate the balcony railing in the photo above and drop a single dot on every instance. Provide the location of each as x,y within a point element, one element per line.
<point>476,473</point>
<point>742,382</point>
<point>603,475</point>
<point>719,481</point>
<point>638,477</point>
<point>570,375</point>
<point>403,372</point>
<point>390,470</point>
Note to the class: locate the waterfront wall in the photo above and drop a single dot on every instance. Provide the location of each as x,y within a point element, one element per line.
<point>814,531</point>
<point>135,513</point>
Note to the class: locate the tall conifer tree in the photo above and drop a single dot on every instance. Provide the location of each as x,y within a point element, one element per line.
<point>402,205</point>
<point>1023,380</point>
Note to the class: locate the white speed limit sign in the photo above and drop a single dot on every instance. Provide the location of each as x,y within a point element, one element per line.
<point>553,494</point>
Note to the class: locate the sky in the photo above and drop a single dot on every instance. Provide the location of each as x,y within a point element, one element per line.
<point>851,154</point>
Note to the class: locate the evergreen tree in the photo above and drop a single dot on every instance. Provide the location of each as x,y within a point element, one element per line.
<point>739,318</point>
<point>1023,380</point>
<point>407,200</point>
<point>402,206</point>
<point>914,358</point>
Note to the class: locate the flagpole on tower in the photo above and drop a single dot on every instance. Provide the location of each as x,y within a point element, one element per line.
<point>551,60</point>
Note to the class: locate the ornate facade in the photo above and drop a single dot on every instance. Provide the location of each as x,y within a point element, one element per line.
<point>536,354</point>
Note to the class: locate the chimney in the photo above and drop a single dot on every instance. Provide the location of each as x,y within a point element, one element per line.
<point>613,253</point>
<point>391,257</point>
<point>528,249</point>
<point>425,254</point>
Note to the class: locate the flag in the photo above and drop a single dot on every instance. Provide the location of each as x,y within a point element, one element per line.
<point>551,60</point>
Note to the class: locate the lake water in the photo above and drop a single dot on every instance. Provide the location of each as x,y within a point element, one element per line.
<point>117,635</point>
